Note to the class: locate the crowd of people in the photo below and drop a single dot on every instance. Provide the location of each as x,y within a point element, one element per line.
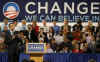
<point>58,39</point>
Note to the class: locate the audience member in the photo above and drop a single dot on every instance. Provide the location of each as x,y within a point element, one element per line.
<point>66,25</point>
<point>5,23</point>
<point>44,26</point>
<point>56,28</point>
<point>23,25</point>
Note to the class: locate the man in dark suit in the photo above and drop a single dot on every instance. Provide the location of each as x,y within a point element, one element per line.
<point>32,35</point>
<point>13,48</point>
<point>11,29</point>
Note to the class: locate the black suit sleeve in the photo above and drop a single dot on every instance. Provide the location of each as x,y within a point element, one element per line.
<point>34,36</point>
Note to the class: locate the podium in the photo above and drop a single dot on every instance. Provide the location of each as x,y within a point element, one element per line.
<point>36,51</point>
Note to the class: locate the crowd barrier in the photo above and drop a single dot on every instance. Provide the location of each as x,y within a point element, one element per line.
<point>57,57</point>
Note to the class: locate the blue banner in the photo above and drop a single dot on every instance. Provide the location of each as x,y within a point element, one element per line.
<point>57,57</point>
<point>50,10</point>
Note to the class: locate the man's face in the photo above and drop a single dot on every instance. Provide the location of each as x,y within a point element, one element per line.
<point>89,22</point>
<point>29,27</point>
<point>12,26</point>
<point>44,22</point>
<point>34,23</point>
<point>5,21</point>
<point>24,22</point>
<point>15,23</point>
<point>65,22</point>
<point>66,48</point>
<point>22,35</point>
<point>54,22</point>
<point>5,28</point>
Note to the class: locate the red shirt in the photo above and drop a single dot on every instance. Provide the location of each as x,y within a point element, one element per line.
<point>36,28</point>
<point>77,51</point>
<point>77,35</point>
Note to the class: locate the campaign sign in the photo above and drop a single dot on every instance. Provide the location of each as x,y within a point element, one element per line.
<point>50,10</point>
<point>35,48</point>
<point>11,10</point>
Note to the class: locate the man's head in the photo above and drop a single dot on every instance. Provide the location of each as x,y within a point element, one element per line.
<point>65,22</point>
<point>66,47</point>
<point>24,22</point>
<point>5,21</point>
<point>44,22</point>
<point>79,22</point>
<point>48,45</point>
<point>5,28</point>
<point>54,23</point>
<point>15,22</point>
<point>22,36</point>
<point>34,23</point>
<point>29,27</point>
<point>11,26</point>
<point>89,22</point>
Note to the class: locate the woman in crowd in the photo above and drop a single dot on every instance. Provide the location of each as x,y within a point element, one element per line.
<point>50,34</point>
<point>53,44</point>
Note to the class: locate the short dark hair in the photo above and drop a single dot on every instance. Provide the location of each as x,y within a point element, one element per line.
<point>10,24</point>
<point>79,21</point>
